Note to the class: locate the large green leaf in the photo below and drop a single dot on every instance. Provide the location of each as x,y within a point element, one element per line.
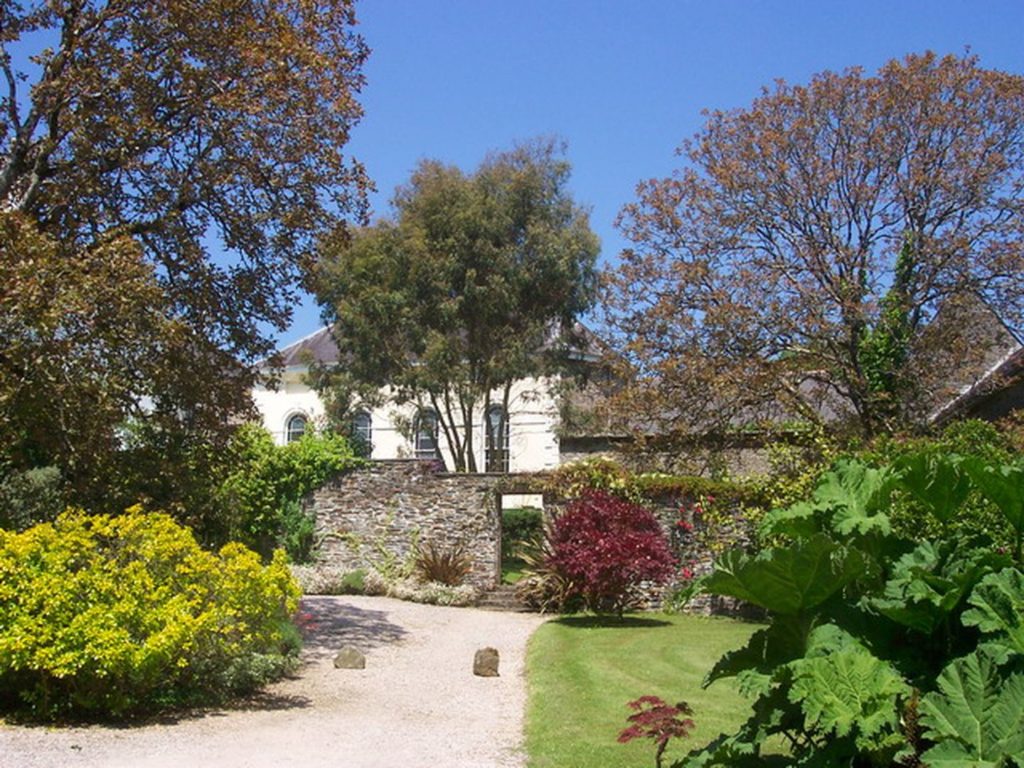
<point>936,480</point>
<point>976,717</point>
<point>767,649</point>
<point>844,690</point>
<point>931,582</point>
<point>857,495</point>
<point>1003,485</point>
<point>788,580</point>
<point>736,751</point>
<point>742,749</point>
<point>799,521</point>
<point>998,608</point>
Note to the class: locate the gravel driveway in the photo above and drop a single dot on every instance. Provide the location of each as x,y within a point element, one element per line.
<point>416,705</point>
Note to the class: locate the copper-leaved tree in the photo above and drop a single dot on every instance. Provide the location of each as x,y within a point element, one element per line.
<point>200,146</point>
<point>822,254</point>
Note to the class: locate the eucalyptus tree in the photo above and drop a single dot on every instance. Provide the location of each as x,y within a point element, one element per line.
<point>473,281</point>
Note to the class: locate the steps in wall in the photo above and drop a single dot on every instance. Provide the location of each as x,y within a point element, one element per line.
<point>502,598</point>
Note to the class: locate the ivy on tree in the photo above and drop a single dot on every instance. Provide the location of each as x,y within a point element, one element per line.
<point>825,250</point>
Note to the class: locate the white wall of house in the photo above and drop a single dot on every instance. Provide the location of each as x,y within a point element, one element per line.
<point>533,418</point>
<point>292,396</point>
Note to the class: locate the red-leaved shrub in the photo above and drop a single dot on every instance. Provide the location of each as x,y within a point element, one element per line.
<point>605,547</point>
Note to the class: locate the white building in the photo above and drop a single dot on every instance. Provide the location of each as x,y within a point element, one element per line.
<point>523,440</point>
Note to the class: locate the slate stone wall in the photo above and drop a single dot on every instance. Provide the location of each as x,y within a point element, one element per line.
<point>387,506</point>
<point>378,512</point>
<point>697,544</point>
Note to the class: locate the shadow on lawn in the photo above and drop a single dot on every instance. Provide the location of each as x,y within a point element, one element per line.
<point>332,624</point>
<point>610,622</point>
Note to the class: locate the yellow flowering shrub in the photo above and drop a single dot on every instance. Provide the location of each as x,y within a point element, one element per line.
<point>113,615</point>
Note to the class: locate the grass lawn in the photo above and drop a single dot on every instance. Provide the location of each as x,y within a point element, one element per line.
<point>512,570</point>
<point>583,670</point>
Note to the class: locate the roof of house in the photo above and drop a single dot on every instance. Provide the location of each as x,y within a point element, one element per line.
<point>1007,371</point>
<point>316,347</point>
<point>994,356</point>
<point>319,347</point>
<point>1000,362</point>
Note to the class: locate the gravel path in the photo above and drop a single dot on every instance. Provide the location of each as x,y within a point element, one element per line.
<point>416,705</point>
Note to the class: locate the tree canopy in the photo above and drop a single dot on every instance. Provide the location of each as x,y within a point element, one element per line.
<point>165,168</point>
<point>458,292</point>
<point>818,253</point>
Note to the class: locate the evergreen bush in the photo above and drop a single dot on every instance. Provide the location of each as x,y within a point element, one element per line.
<point>518,526</point>
<point>112,616</point>
<point>29,497</point>
<point>261,498</point>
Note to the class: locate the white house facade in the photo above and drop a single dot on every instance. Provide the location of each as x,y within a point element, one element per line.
<point>523,440</point>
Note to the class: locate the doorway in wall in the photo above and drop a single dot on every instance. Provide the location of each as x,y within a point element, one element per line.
<point>522,523</point>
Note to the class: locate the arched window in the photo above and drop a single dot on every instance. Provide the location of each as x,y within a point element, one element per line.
<point>295,428</point>
<point>496,440</point>
<point>362,431</point>
<point>426,435</point>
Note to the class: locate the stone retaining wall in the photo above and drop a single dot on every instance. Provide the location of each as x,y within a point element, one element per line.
<point>697,545</point>
<point>376,514</point>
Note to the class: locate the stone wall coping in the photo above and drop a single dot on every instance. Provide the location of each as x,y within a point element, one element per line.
<point>427,463</point>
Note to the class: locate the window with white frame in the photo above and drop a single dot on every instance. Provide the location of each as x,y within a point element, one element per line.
<point>362,430</point>
<point>496,440</point>
<point>425,436</point>
<point>295,427</point>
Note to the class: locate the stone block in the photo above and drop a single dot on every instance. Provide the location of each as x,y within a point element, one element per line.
<point>485,663</point>
<point>350,658</point>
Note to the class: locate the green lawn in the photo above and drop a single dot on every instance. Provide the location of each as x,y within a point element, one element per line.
<point>512,570</point>
<point>583,670</point>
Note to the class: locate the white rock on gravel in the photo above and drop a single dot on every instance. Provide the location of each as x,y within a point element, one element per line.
<point>417,705</point>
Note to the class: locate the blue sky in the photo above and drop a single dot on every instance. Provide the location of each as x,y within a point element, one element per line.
<point>623,83</point>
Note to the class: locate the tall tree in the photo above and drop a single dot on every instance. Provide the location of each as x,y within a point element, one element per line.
<point>461,289</point>
<point>816,250</point>
<point>165,168</point>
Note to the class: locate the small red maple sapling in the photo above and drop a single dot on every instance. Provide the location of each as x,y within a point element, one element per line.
<point>654,719</point>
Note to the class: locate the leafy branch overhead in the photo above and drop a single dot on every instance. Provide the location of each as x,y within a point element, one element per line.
<point>200,148</point>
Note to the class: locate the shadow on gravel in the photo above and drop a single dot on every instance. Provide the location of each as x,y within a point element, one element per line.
<point>332,624</point>
<point>265,701</point>
<point>260,701</point>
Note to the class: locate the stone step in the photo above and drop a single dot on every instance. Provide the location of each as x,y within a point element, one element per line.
<point>502,598</point>
<point>503,608</point>
<point>504,602</point>
<point>498,601</point>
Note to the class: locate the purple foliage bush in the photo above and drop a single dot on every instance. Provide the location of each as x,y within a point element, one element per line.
<point>606,547</point>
